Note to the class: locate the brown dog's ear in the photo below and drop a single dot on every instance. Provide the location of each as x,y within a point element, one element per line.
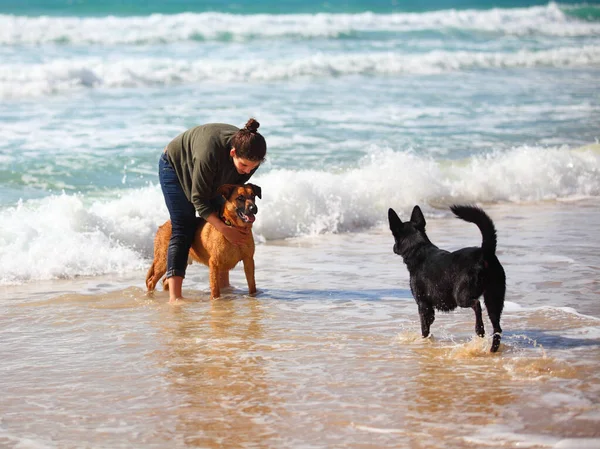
<point>417,218</point>
<point>225,190</point>
<point>256,189</point>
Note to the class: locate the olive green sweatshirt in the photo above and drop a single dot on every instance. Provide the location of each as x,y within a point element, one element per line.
<point>200,157</point>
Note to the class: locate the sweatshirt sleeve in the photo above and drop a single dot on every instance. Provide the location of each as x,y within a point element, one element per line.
<point>203,177</point>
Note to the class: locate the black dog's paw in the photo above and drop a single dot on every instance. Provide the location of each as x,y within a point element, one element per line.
<point>495,342</point>
<point>480,331</point>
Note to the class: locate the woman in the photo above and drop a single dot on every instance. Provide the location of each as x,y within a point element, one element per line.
<point>191,169</point>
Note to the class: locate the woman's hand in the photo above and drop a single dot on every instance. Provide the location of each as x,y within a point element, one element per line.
<point>236,236</point>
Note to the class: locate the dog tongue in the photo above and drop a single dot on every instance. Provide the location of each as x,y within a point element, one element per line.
<point>250,218</point>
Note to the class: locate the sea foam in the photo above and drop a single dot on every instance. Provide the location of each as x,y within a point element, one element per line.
<point>159,29</point>
<point>79,73</point>
<point>67,235</point>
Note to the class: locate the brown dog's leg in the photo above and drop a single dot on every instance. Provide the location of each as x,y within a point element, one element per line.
<point>159,264</point>
<point>249,271</point>
<point>156,271</point>
<point>224,279</point>
<point>213,274</point>
<point>150,281</point>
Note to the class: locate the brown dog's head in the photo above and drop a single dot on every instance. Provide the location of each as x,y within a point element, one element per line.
<point>240,207</point>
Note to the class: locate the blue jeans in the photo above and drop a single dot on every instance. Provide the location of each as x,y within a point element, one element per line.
<point>183,218</point>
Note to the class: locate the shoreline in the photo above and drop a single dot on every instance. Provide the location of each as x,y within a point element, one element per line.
<point>367,257</point>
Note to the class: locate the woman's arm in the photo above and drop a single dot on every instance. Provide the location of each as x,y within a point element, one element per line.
<point>237,236</point>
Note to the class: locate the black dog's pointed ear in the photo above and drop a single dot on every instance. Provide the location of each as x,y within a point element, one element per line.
<point>417,218</point>
<point>256,189</point>
<point>394,219</point>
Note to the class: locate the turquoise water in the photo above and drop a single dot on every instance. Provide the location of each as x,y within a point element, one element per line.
<point>132,7</point>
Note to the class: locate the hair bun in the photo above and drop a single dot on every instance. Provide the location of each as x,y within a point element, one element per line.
<point>252,125</point>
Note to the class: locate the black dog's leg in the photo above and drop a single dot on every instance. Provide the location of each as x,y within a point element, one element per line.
<point>494,301</point>
<point>479,330</point>
<point>427,315</point>
<point>494,305</point>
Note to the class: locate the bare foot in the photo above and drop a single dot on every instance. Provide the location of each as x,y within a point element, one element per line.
<point>180,300</point>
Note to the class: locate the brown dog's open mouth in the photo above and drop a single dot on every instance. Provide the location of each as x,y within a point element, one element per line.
<point>248,218</point>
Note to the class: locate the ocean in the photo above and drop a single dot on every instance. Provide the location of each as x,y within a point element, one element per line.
<point>365,105</point>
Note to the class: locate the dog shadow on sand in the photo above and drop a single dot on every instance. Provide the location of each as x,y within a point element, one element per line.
<point>549,340</point>
<point>539,337</point>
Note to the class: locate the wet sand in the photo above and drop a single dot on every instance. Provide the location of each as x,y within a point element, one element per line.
<point>327,355</point>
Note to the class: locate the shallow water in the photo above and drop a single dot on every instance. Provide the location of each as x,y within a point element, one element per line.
<point>328,354</point>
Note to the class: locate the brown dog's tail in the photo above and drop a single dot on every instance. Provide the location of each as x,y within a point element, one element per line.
<point>476,215</point>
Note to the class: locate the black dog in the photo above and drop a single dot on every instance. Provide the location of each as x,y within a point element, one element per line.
<point>443,280</point>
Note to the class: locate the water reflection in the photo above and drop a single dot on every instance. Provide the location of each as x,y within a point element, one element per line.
<point>452,395</point>
<point>216,368</point>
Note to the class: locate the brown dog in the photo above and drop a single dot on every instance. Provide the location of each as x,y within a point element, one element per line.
<point>210,247</point>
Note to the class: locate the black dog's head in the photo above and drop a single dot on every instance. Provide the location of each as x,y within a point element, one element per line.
<point>408,234</point>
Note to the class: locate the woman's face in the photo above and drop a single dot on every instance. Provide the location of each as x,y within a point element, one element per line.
<point>243,166</point>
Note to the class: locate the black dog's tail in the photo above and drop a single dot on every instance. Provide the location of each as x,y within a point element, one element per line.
<point>474,214</point>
